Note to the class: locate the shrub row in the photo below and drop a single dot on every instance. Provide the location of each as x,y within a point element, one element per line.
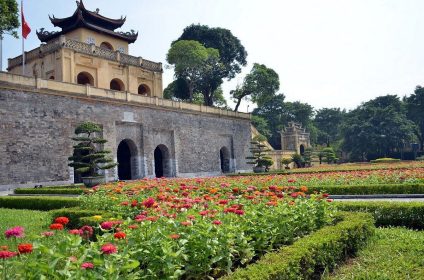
<point>72,190</point>
<point>37,202</point>
<point>76,216</point>
<point>389,213</point>
<point>385,160</point>
<point>308,257</point>
<point>406,188</point>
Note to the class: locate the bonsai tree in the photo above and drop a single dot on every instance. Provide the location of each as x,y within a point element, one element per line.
<point>329,155</point>
<point>259,151</point>
<point>286,161</point>
<point>307,156</point>
<point>89,157</point>
<point>298,160</point>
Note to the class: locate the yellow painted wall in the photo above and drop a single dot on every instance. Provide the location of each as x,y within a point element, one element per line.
<point>82,34</point>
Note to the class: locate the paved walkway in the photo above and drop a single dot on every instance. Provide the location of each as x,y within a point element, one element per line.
<point>382,199</point>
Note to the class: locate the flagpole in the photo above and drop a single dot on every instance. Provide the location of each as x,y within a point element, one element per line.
<point>23,40</point>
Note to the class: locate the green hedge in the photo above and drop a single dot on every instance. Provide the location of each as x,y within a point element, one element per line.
<point>309,256</point>
<point>406,188</point>
<point>385,160</point>
<point>72,190</point>
<point>76,215</point>
<point>37,202</point>
<point>389,213</point>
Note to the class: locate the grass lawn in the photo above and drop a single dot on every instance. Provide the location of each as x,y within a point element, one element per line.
<point>394,253</point>
<point>34,222</point>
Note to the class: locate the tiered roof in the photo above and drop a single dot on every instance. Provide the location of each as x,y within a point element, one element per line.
<point>90,20</point>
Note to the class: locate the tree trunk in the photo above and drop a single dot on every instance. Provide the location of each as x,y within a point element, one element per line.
<point>238,104</point>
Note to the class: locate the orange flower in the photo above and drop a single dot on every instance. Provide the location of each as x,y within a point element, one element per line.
<point>25,248</point>
<point>120,235</point>
<point>56,226</point>
<point>304,189</point>
<point>174,236</point>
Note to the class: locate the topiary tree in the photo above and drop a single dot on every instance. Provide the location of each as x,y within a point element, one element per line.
<point>259,157</point>
<point>329,155</point>
<point>89,157</point>
<point>286,161</point>
<point>307,156</point>
<point>298,160</point>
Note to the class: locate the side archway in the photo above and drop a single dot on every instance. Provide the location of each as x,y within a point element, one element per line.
<point>162,159</point>
<point>127,157</point>
<point>117,84</point>
<point>302,150</point>
<point>224,155</point>
<point>106,46</point>
<point>85,78</point>
<point>144,90</point>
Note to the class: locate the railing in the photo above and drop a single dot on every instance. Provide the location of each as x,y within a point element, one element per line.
<point>18,81</point>
<point>84,48</point>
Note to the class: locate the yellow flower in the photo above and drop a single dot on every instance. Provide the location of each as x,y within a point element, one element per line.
<point>97,217</point>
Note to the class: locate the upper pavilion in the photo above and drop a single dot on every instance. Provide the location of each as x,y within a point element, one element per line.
<point>89,50</point>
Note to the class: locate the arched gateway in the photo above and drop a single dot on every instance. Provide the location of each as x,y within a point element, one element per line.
<point>127,151</point>
<point>162,161</point>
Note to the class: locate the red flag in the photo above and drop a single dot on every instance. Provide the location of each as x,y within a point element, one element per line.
<point>25,27</point>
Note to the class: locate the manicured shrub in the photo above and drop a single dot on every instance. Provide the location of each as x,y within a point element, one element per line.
<point>387,213</point>
<point>406,188</point>
<point>385,160</point>
<point>308,257</point>
<point>70,190</point>
<point>37,202</point>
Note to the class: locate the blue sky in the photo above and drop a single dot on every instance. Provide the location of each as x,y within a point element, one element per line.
<point>328,53</point>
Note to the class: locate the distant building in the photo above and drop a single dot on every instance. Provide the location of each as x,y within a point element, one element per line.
<point>88,50</point>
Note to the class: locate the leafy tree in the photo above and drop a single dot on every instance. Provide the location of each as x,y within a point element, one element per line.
<point>9,18</point>
<point>307,156</point>
<point>259,152</point>
<point>328,122</point>
<point>298,160</point>
<point>329,155</point>
<point>286,161</point>
<point>261,125</point>
<point>376,127</point>
<point>192,61</point>
<point>232,56</point>
<point>88,157</point>
<point>415,112</point>
<point>259,86</point>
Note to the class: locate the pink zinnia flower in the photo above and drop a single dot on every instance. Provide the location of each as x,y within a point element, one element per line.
<point>87,265</point>
<point>148,203</point>
<point>7,254</point>
<point>74,231</point>
<point>47,233</point>
<point>14,232</point>
<point>86,232</point>
<point>107,225</point>
<point>217,222</point>
<point>108,249</point>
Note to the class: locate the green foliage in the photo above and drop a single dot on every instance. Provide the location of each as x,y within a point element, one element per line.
<point>34,223</point>
<point>286,161</point>
<point>298,160</point>
<point>49,191</point>
<point>378,126</point>
<point>307,156</point>
<point>232,56</point>
<point>328,155</point>
<point>258,86</point>
<point>393,253</point>
<point>37,202</point>
<point>405,188</point>
<point>389,213</point>
<point>415,112</point>
<point>328,121</point>
<point>310,256</point>
<point>385,160</point>
<point>88,157</point>
<point>9,18</point>
<point>259,153</point>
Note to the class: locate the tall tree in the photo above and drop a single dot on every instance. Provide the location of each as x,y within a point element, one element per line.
<point>377,127</point>
<point>259,86</point>
<point>192,61</point>
<point>232,56</point>
<point>328,122</point>
<point>9,18</point>
<point>415,112</point>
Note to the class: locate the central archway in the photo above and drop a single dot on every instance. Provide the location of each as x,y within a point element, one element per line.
<point>162,162</point>
<point>224,155</point>
<point>302,150</point>
<point>126,153</point>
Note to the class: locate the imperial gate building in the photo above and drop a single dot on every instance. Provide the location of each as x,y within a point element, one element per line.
<point>83,72</point>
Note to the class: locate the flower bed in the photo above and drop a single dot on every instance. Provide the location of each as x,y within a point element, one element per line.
<point>171,229</point>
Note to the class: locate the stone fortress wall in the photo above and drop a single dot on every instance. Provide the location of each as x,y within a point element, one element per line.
<point>38,118</point>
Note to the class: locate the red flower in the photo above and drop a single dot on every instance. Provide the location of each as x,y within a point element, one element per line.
<point>7,254</point>
<point>329,200</point>
<point>148,203</point>
<point>217,222</point>
<point>56,226</point>
<point>87,265</point>
<point>86,232</point>
<point>186,223</point>
<point>120,235</point>
<point>75,232</point>
<point>25,248</point>
<point>134,203</point>
<point>174,236</point>
<point>108,249</point>
<point>47,233</point>
<point>61,220</point>
<point>107,225</point>
<point>239,212</point>
<point>133,226</point>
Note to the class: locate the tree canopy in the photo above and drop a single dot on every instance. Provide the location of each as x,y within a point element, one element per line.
<point>9,17</point>
<point>258,86</point>
<point>415,112</point>
<point>328,122</point>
